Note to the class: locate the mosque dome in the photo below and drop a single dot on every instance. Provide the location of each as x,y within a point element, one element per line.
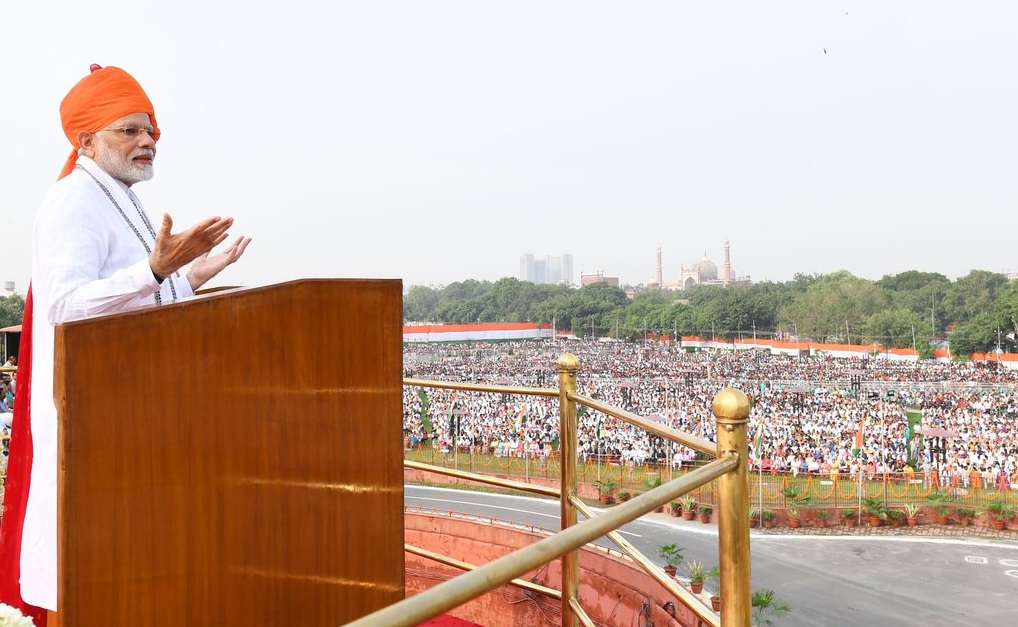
<point>706,269</point>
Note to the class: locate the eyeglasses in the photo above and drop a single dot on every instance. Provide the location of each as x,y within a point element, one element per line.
<point>134,132</point>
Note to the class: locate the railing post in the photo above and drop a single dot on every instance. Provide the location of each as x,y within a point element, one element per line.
<point>731,411</point>
<point>567,367</point>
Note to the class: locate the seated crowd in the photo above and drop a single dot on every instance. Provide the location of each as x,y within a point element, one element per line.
<point>805,410</point>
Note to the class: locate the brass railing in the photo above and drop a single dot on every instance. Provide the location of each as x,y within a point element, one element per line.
<point>731,411</point>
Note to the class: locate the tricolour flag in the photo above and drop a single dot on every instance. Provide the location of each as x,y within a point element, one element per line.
<point>452,411</point>
<point>859,439</point>
<point>758,442</point>
<point>521,419</point>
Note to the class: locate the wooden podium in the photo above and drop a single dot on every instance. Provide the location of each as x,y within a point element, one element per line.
<point>233,460</point>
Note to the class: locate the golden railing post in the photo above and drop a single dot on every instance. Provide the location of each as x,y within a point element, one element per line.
<point>731,411</point>
<point>567,367</point>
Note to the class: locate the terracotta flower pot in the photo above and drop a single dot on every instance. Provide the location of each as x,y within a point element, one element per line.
<point>705,518</point>
<point>688,515</point>
<point>696,587</point>
<point>794,523</point>
<point>715,603</point>
<point>822,523</point>
<point>912,521</point>
<point>875,521</point>
<point>670,570</point>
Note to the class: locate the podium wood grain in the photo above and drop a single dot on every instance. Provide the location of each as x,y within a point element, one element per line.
<point>233,459</point>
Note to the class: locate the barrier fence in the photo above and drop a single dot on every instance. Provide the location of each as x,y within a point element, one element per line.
<point>769,489</point>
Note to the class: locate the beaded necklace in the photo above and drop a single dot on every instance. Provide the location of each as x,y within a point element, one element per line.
<point>137,233</point>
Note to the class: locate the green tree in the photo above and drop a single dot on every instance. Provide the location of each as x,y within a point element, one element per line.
<point>971,295</point>
<point>920,292</point>
<point>1006,309</point>
<point>978,334</point>
<point>12,310</point>
<point>649,312</point>
<point>831,307</point>
<point>894,327</point>
<point>419,304</point>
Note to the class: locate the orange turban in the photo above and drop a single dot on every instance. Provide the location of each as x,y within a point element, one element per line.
<point>105,95</point>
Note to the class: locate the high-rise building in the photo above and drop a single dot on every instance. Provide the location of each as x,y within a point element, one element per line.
<point>550,269</point>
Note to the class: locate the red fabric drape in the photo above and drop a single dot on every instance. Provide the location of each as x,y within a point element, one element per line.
<point>19,468</point>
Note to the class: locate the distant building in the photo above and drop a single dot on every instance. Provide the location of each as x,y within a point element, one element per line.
<point>552,270</point>
<point>703,272</point>
<point>598,277</point>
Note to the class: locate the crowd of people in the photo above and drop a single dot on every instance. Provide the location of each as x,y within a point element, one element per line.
<point>8,386</point>
<point>808,413</point>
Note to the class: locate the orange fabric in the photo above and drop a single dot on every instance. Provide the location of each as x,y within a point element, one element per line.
<point>105,95</point>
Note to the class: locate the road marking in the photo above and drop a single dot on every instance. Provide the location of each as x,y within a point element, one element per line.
<point>510,509</point>
<point>486,506</point>
<point>973,559</point>
<point>1011,573</point>
<point>1009,562</point>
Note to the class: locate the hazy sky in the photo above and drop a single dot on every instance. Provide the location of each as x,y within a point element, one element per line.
<point>438,141</point>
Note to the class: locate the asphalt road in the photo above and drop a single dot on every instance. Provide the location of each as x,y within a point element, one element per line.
<point>836,581</point>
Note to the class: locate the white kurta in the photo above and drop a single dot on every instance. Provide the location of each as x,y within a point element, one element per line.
<point>87,259</point>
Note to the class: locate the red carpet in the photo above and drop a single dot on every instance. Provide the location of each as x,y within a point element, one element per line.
<point>448,621</point>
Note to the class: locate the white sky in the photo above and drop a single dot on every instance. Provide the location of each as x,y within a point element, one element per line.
<point>438,141</point>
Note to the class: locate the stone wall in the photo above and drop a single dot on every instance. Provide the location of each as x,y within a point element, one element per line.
<point>613,590</point>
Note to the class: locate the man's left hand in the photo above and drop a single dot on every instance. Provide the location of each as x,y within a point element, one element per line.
<point>207,266</point>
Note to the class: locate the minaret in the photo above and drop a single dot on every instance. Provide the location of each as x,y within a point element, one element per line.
<point>726,270</point>
<point>659,275</point>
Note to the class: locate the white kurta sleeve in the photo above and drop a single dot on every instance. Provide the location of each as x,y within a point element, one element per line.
<point>86,257</point>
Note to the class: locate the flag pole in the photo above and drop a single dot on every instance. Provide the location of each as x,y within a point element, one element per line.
<point>759,474</point>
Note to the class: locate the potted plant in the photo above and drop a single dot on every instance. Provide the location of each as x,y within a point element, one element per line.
<point>794,517</point>
<point>894,517</point>
<point>676,508</point>
<point>672,555</point>
<point>767,516</point>
<point>1001,512</point>
<point>697,573</point>
<point>767,606</point>
<point>822,516</point>
<point>606,488</point>
<point>911,511</point>
<point>714,574</point>
<point>754,517</point>
<point>653,481</point>
<point>705,512</point>
<point>624,496</point>
<point>941,501</point>
<point>965,515</point>
<point>688,507</point>
<point>848,516</point>
<point>875,509</point>
<point>792,493</point>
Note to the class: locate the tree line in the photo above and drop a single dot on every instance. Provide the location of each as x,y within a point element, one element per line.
<point>975,313</point>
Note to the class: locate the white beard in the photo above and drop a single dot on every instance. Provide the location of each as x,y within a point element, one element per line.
<point>120,168</point>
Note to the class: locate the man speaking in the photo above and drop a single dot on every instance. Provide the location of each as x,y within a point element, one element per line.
<point>95,250</point>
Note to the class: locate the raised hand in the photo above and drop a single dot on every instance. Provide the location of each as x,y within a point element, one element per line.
<point>207,266</point>
<point>173,251</point>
